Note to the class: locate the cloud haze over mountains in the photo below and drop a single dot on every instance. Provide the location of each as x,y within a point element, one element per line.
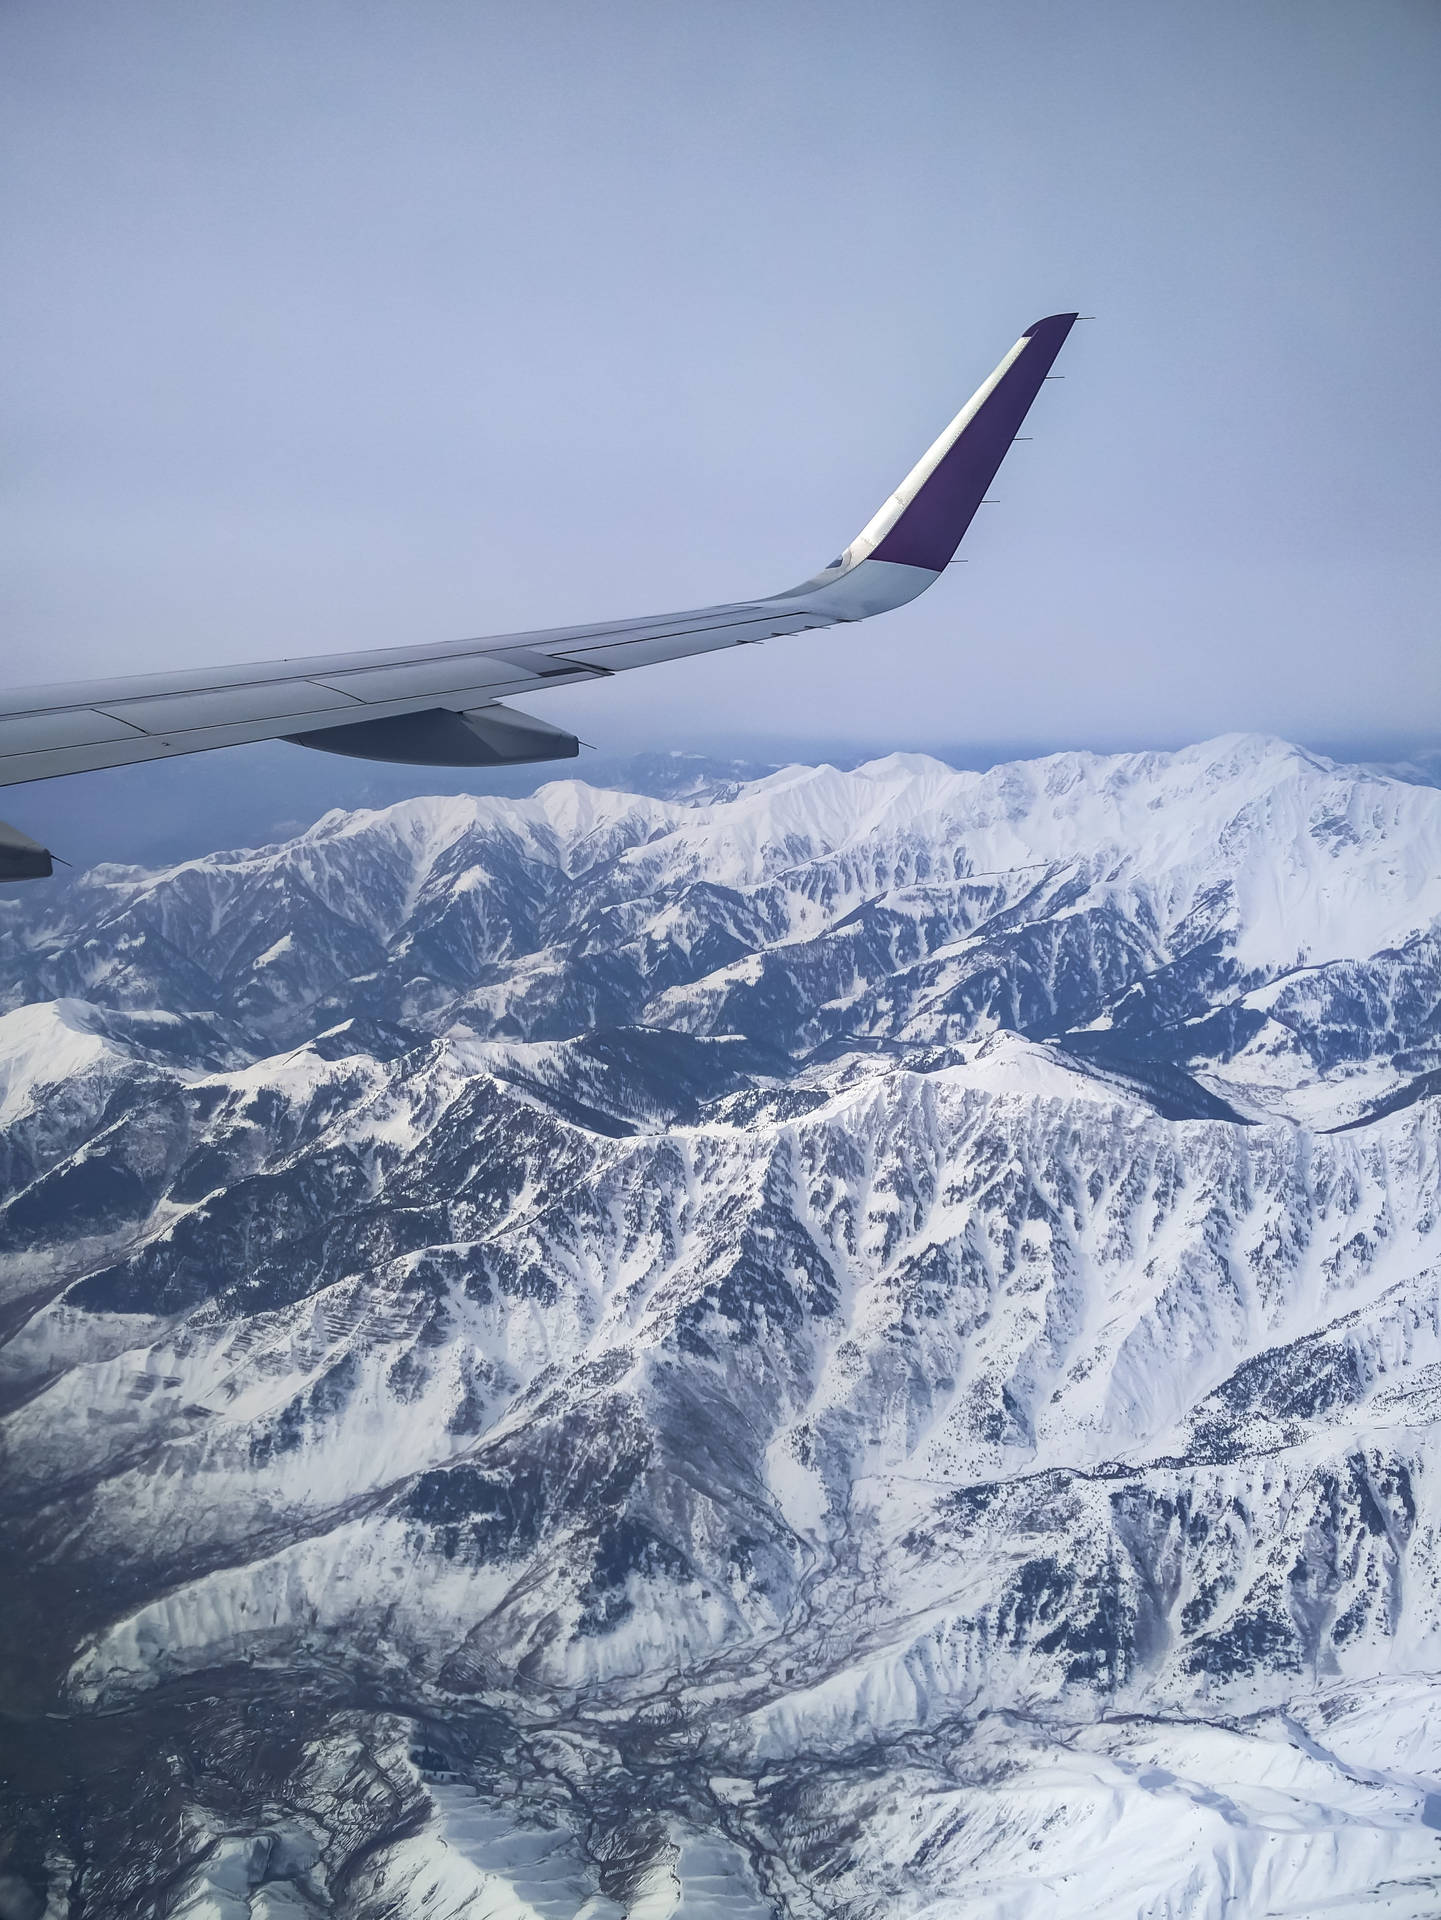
<point>846,1342</point>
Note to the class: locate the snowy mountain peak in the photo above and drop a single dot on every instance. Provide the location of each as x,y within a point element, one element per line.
<point>863,1342</point>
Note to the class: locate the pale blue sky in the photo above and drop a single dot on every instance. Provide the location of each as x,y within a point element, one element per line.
<point>330,325</point>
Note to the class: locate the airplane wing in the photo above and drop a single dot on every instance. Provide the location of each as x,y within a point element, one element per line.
<point>442,705</point>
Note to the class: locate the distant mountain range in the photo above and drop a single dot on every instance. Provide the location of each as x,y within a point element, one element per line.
<point>161,811</point>
<point>840,1344</point>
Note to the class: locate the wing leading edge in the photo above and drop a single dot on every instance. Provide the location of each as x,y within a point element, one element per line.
<point>442,704</point>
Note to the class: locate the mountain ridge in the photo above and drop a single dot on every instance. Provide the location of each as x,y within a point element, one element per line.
<point>805,1357</point>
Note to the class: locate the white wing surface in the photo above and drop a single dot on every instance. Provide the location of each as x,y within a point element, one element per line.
<point>443,704</point>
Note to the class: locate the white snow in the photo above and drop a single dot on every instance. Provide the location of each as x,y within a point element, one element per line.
<point>1047,1492</point>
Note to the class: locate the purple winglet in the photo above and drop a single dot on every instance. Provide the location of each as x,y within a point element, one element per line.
<point>930,529</point>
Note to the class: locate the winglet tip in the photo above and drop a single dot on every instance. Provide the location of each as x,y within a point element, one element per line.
<point>1053,322</point>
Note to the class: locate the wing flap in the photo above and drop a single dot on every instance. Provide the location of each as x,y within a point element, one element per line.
<point>75,727</point>
<point>168,713</point>
<point>372,684</point>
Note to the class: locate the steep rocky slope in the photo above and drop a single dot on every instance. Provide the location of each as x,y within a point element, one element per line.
<point>869,1344</point>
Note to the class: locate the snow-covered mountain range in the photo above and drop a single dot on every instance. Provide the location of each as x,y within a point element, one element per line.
<point>852,1344</point>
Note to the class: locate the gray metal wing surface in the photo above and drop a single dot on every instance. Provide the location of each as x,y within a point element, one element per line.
<point>443,704</point>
